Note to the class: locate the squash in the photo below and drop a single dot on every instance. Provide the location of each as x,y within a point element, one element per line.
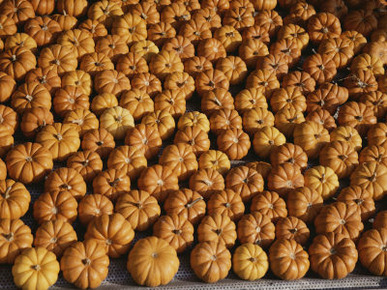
<point>288,260</point>
<point>286,120</point>
<point>289,153</point>
<point>321,67</point>
<point>113,46</point>
<point>358,39</point>
<point>83,119</point>
<point>7,86</point>
<point>34,119</point>
<point>55,236</point>
<point>89,259</point>
<point>234,68</point>
<point>194,119</point>
<point>111,81</point>
<point>209,80</point>
<point>161,119</point>
<point>226,202</point>
<point>339,49</point>
<point>248,99</point>
<point>257,229</point>
<point>377,135</point>
<point>70,98</point>
<point>130,26</point>
<point>172,101</point>
<point>380,220</point>
<point>99,141</point>
<point>323,117</point>
<point>181,45</point>
<point>217,228</point>
<point>8,26</point>
<point>60,58</point>
<point>42,29</point>
<point>176,230</point>
<point>360,20</point>
<point>196,138</point>
<point>160,32</point>
<point>212,49</point>
<point>292,228</point>
<point>224,119</point>
<point>347,134</point>
<point>378,101</point>
<point>180,81</point>
<point>35,268</point>
<point>206,182</point>
<point>15,237</point>
<point>159,255</point>
<point>17,62</point>
<point>194,65</point>
<point>258,118</point>
<point>263,79</point>
<point>14,199</point>
<point>333,255</point>
<point>95,62</point>
<point>214,159</point>
<point>3,170</point>
<point>288,97</point>
<point>284,178</point>
<point>322,26</point>
<point>234,143</point>
<point>80,41</point>
<point>304,203</point>
<point>30,95</point>
<point>8,119</point>
<point>250,262</point>
<point>270,204</point>
<point>144,138</point>
<point>322,179</point>
<point>210,261</point>
<point>311,137</point>
<point>87,163</point>
<point>74,8</point>
<point>300,79</point>
<point>373,153</point>
<point>355,195</point>
<point>146,10</point>
<point>117,121</point>
<point>94,205</point>
<point>111,183</point>
<point>131,64</point>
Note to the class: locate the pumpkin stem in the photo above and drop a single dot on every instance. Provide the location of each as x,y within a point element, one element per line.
<point>373,177</point>
<point>358,201</point>
<point>86,262</point>
<point>252,259</point>
<point>293,231</point>
<point>218,231</point>
<point>99,143</point>
<point>115,182</point>
<point>9,237</point>
<point>7,191</point>
<point>59,136</point>
<point>384,248</point>
<point>191,204</point>
<point>177,231</point>
<point>36,267</point>
<point>13,57</point>
<point>65,186</point>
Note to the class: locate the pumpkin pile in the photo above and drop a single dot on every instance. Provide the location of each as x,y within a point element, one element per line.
<point>95,108</point>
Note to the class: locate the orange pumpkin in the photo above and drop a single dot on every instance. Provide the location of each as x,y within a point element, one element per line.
<point>30,95</point>
<point>304,203</point>
<point>226,202</point>
<point>270,204</point>
<point>14,199</point>
<point>87,163</point>
<point>355,195</point>
<point>98,140</point>
<point>206,182</point>
<point>289,153</point>
<point>292,228</point>
<point>94,205</point>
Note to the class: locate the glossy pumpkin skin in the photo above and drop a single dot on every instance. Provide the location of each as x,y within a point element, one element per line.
<point>14,199</point>
<point>250,262</point>
<point>161,119</point>
<point>297,260</point>
<point>292,228</point>
<point>217,228</point>
<point>216,259</point>
<point>206,182</point>
<point>304,203</point>
<point>289,153</point>
<point>176,230</point>
<point>43,269</point>
<point>34,119</point>
<point>269,203</point>
<point>94,205</point>
<point>355,195</point>
<point>332,255</point>
<point>87,163</point>
<point>372,252</point>
<point>89,258</point>
<point>15,236</point>
<point>98,140</point>
<point>55,236</point>
<point>139,208</point>
<point>322,179</point>
<point>311,137</point>
<point>226,202</point>
<point>117,121</point>
<point>157,253</point>
<point>3,170</point>
<point>284,178</point>
<point>216,160</point>
<point>380,220</point>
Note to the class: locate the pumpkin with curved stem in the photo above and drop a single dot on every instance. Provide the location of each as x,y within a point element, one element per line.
<point>323,179</point>
<point>14,199</point>
<point>30,95</point>
<point>176,230</point>
<point>111,183</point>
<point>256,228</point>
<point>206,182</point>
<point>157,253</point>
<point>217,228</point>
<point>172,101</point>
<point>74,8</point>
<point>94,205</point>
<point>270,204</point>
<point>289,153</point>
<point>304,203</point>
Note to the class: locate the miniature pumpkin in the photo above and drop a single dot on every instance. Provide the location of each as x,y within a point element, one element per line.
<point>68,99</point>
<point>164,63</point>
<point>327,97</point>
<point>176,230</point>
<point>377,100</point>
<point>377,135</point>
<point>111,81</point>
<point>294,32</point>
<point>111,183</point>
<point>55,205</point>
<point>102,102</point>
<point>360,20</point>
<point>55,236</point>
<point>35,267</point>
<point>263,79</point>
<point>78,78</point>
<point>139,208</point>
<point>267,138</point>
<point>73,8</point>
<point>322,26</point>
<point>323,117</point>
<point>95,62</point>
<point>248,99</point>
<point>162,120</point>
<point>361,82</point>
<point>355,195</point>
<point>132,63</point>
<point>87,163</point>
<point>289,153</point>
<point>300,79</point>
<point>373,153</point>
<point>197,64</point>
<point>8,119</point>
<point>269,19</point>
<point>287,119</point>
<point>288,97</point>
<point>323,179</point>
<point>196,138</point>
<point>224,119</point>
<point>160,32</point>
<point>226,202</point>
<point>194,119</point>
<point>234,142</point>
<point>14,199</point>
<point>333,255</point>
<point>7,86</point>
<point>380,220</point>
<point>3,170</point>
<point>275,64</point>
<point>8,26</point>
<point>311,137</point>
<point>89,259</point>
<point>15,236</point>
<point>206,182</point>
<point>66,22</point>
<point>99,141</point>
<point>283,178</point>
<point>288,260</point>
<point>366,62</point>
<point>250,262</point>
<point>157,253</point>
<point>94,205</point>
<point>180,81</point>
<point>292,228</point>
<point>42,29</point>
<point>258,118</point>
<point>117,121</point>
<point>146,10</point>
<point>145,138</point>
<point>321,68</point>
<point>215,100</point>
<point>60,58</point>
<point>339,49</point>
<point>137,102</point>
<point>270,204</point>
<point>215,159</point>
<point>113,230</point>
<point>20,40</point>
<point>209,80</point>
<point>304,203</point>
<point>114,46</point>
<point>66,179</point>
<point>256,228</point>
<point>347,134</point>
<point>181,45</point>
<point>83,119</point>
<point>172,101</point>
<point>30,95</point>
<point>17,62</point>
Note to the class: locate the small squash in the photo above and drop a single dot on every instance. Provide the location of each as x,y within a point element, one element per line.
<point>270,204</point>
<point>93,205</point>
<point>257,229</point>
<point>217,228</point>
<point>304,203</point>
<point>292,228</point>
<point>250,262</point>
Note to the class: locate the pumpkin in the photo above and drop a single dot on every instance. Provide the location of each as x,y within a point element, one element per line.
<point>60,139</point>
<point>336,7</point>
<point>161,257</point>
<point>292,228</point>
<point>371,251</point>
<point>196,138</point>
<point>357,39</point>
<point>321,67</point>
<point>99,141</point>
<point>215,100</point>
<point>94,205</point>
<point>333,255</point>
<point>88,259</point>
<point>206,182</point>
<point>196,30</point>
<point>3,170</point>
<point>130,26</point>
<point>209,80</point>
<point>159,181</point>
<point>275,64</point>
<point>144,138</point>
<point>162,120</point>
<point>95,62</point>
<point>79,79</point>
<point>139,208</point>
<point>250,262</point>
<point>269,19</point>
<point>323,117</point>
<point>252,50</point>
<point>304,203</point>
<point>339,49</point>
<point>289,153</point>
<point>113,46</point>
<point>239,17</point>
<point>160,32</point>
<point>176,230</point>
<point>17,62</point>
<point>256,119</point>
<point>327,97</point>
<point>347,134</point>
<point>286,120</point>
<point>18,10</point>
<point>286,98</point>
<point>28,162</point>
<point>210,261</point>
<point>59,58</point>
<point>194,119</point>
<point>172,101</point>
<point>323,179</point>
<point>224,119</point>
<point>373,153</point>
<point>7,86</point>
<point>116,121</point>
<point>68,99</point>
<point>6,141</point>
<point>288,48</point>
<point>377,100</point>
<point>366,62</point>
<point>234,142</point>
<point>294,32</point>
<point>270,204</point>
<point>66,179</point>
<point>74,8</point>
<point>83,119</point>
<point>322,26</point>
<point>339,218</point>
<point>209,15</point>
<point>137,102</point>
<point>55,236</point>
<point>144,48</point>
<point>361,82</point>
<point>371,176</point>
<point>46,76</point>
<point>248,99</point>
<point>55,205</point>
<point>111,183</point>
<point>265,139</point>
<point>14,199</point>
<point>217,228</point>
<point>65,21</point>
<point>164,63</point>
<point>380,220</point>
<point>229,37</point>
<point>363,21</point>
<point>283,178</point>
<point>256,228</point>
<point>300,12</point>
<point>288,260</point>
<point>8,119</point>
<point>87,163</point>
<point>311,137</point>
<point>377,49</point>
<point>15,236</point>
<point>102,102</point>
<point>35,268</point>
<point>245,181</point>
<point>105,11</point>
<point>355,195</point>
<point>301,79</point>
<point>42,29</point>
<point>8,26</point>
<point>146,10</point>
<point>113,230</point>
<point>132,63</point>
<point>377,134</point>
<point>212,49</point>
<point>111,81</point>
<point>181,45</point>
<point>180,81</point>
<point>197,64</point>
<point>30,95</point>
<point>226,202</point>
<point>263,79</point>
<point>214,159</point>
